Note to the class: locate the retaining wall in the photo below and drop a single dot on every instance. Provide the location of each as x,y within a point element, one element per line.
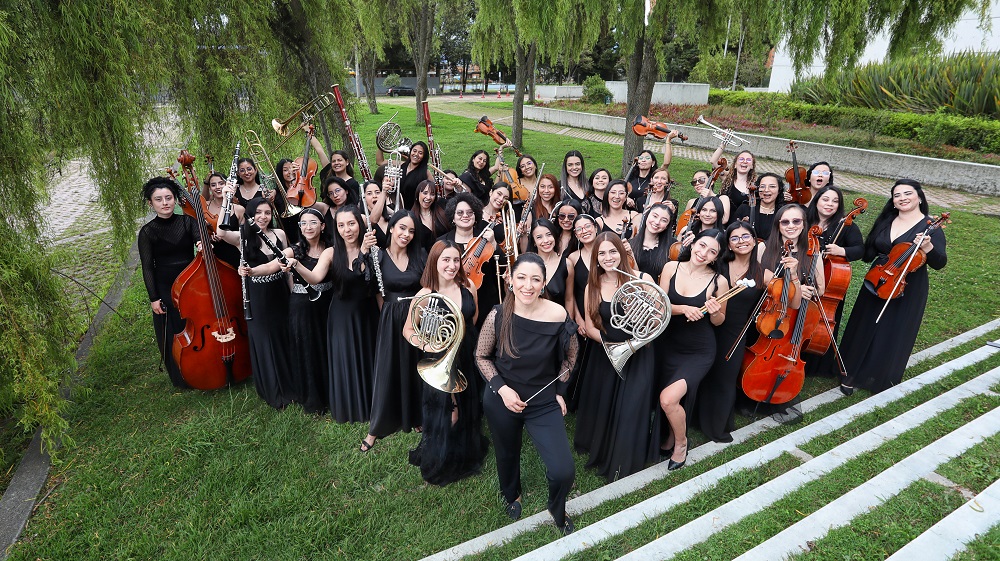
<point>666,92</point>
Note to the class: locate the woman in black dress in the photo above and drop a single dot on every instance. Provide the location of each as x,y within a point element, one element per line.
<point>658,190</point>
<point>626,424</point>
<point>378,213</point>
<point>308,307</point>
<point>433,222</point>
<point>599,181</point>
<point>545,243</point>
<point>770,197</point>
<point>546,198</point>
<point>564,216</point>
<point>578,271</point>
<point>651,244</point>
<point>166,247</point>
<point>826,209</point>
<point>819,175</point>
<point>226,237</point>
<point>688,348</point>
<point>477,177</point>
<point>465,211</point>
<point>452,446</point>
<point>525,353</point>
<point>414,170</point>
<point>708,211</point>
<point>736,182</point>
<point>574,182</point>
<point>875,354</point>
<point>615,217</point>
<point>397,392</point>
<point>268,294</point>
<point>352,323</point>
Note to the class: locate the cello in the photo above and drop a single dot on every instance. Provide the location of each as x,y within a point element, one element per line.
<point>796,178</point>
<point>837,272</point>
<point>212,350</point>
<point>772,371</point>
<point>302,192</point>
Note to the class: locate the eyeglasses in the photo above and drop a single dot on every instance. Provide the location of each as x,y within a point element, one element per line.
<point>744,160</point>
<point>337,191</point>
<point>562,216</point>
<point>465,213</point>
<point>312,223</point>
<point>644,158</point>
<point>247,170</point>
<point>584,228</point>
<point>790,221</point>
<point>820,172</point>
<point>696,182</point>
<point>743,238</point>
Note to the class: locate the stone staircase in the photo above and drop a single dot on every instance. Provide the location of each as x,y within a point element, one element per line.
<point>969,376</point>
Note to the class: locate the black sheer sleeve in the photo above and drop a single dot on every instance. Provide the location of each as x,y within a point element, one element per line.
<point>486,350</point>
<point>570,348</point>
<point>148,263</point>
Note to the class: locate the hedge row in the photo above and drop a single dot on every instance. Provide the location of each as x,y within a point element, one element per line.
<point>982,135</point>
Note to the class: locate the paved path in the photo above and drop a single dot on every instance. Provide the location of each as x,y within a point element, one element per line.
<point>946,198</point>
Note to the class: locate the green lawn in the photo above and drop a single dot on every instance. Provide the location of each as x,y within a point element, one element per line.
<point>161,473</point>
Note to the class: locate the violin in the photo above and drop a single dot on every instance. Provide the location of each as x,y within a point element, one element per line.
<point>771,370</point>
<point>685,217</point>
<point>186,160</point>
<point>887,280</point>
<point>485,126</point>
<point>773,319</point>
<point>690,221</point>
<point>837,272</point>
<point>518,192</point>
<point>796,178</point>
<point>644,126</point>
<point>213,349</point>
<point>477,253</point>
<point>302,192</point>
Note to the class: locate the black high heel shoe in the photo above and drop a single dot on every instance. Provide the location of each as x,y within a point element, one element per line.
<point>672,465</point>
<point>846,390</point>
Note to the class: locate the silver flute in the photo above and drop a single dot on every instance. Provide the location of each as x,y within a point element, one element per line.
<point>374,249</point>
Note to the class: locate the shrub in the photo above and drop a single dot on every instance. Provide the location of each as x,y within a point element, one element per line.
<point>392,81</point>
<point>596,91</point>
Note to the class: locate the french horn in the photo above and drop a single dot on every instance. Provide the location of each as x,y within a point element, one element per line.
<point>438,326</point>
<point>645,314</point>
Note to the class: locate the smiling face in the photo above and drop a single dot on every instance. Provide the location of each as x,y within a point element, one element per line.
<point>427,196</point>
<point>741,241</point>
<point>262,216</point>
<point>216,184</point>
<point>348,227</point>
<point>574,166</point>
<point>608,256</point>
<point>744,162</point>
<point>288,172</point>
<point>527,168</point>
<point>448,263</point>
<point>768,190</point>
<point>657,220</point>
<point>403,232</point>
<point>546,190</point>
<point>544,240</point>
<point>465,217</point>
<point>659,181</point>
<point>704,250</point>
<point>828,204</point>
<point>416,155</point>
<point>905,198</point>
<point>792,223</point>
<point>709,215</point>
<point>645,160</point>
<point>498,197</point>
<point>247,172</point>
<point>566,217</point>
<point>337,163</point>
<point>479,161</point>
<point>617,195</point>
<point>585,230</point>
<point>311,226</point>
<point>527,280</point>
<point>820,177</point>
<point>601,180</point>
<point>163,202</point>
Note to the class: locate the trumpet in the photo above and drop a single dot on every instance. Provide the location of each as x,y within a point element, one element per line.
<point>646,314</point>
<point>438,326</point>
<point>268,180</point>
<point>725,135</point>
<point>308,112</point>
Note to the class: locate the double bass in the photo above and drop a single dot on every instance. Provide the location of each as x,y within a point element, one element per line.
<point>186,160</point>
<point>212,350</point>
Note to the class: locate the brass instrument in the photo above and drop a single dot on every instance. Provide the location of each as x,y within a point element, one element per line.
<point>508,243</point>
<point>438,326</point>
<point>308,112</point>
<point>725,135</point>
<point>269,181</point>
<point>646,314</point>
<point>390,140</point>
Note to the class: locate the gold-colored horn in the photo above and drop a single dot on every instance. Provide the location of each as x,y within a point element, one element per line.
<point>646,313</point>
<point>438,326</point>
<point>307,112</point>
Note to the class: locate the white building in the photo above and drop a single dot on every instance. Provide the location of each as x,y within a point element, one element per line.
<point>965,36</point>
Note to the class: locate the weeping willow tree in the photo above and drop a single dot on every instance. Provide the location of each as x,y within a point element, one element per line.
<point>98,80</point>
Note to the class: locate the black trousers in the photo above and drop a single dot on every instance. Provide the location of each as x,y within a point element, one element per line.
<point>547,430</point>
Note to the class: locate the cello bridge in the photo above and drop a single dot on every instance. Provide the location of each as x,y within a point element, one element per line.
<point>226,337</point>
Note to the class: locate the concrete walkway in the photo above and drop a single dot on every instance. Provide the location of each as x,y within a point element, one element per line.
<point>946,198</point>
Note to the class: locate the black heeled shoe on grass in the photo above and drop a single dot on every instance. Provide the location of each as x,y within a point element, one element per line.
<point>846,390</point>
<point>514,509</point>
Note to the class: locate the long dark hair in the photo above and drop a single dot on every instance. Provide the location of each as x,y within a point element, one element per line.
<point>482,175</point>
<point>505,336</point>
<point>349,168</point>
<point>301,247</point>
<point>754,270</point>
<point>889,213</point>
<point>774,243</point>
<point>719,213</point>
<point>636,171</point>
<point>606,204</point>
<point>256,177</point>
<point>427,154</point>
<point>661,254</point>
<point>352,197</point>
<point>413,249</point>
<point>280,170</point>
<point>253,249</point>
<point>812,213</point>
<point>438,219</point>
<point>340,264</point>
<point>593,304</point>
<point>809,172</point>
<point>548,225</point>
<point>584,182</point>
<point>714,233</point>
<point>539,208</point>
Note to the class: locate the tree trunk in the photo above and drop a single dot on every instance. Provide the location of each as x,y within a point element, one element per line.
<point>641,75</point>
<point>465,73</point>
<point>531,77</point>
<point>524,62</point>
<point>368,62</point>
<point>422,38</point>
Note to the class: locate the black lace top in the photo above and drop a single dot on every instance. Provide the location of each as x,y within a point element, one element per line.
<point>166,244</point>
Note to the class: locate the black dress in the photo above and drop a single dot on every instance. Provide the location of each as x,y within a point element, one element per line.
<point>581,272</point>
<point>397,391</point>
<point>719,389</point>
<point>448,453</point>
<point>166,248</point>
<point>854,248</point>
<point>875,354</point>
<point>652,260</point>
<point>586,202</point>
<point>479,187</point>
<point>351,327</point>
<point>628,437</point>
<point>555,289</point>
<point>409,182</point>
<point>688,348</point>
<point>762,223</point>
<point>268,331</point>
<point>307,340</point>
<point>489,291</point>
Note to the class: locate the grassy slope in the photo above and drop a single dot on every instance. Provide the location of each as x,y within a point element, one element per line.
<point>161,473</point>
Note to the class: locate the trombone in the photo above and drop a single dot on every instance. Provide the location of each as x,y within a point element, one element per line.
<point>725,135</point>
<point>259,155</point>
<point>509,243</point>
<point>308,112</point>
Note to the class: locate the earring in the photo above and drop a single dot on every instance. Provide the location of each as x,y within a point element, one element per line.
<point>542,292</point>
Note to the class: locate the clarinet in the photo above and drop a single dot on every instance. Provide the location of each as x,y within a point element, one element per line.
<point>247,315</point>
<point>359,152</point>
<point>227,202</point>
<point>374,250</point>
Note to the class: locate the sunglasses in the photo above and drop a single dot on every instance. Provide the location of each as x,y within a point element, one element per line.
<point>696,182</point>
<point>562,216</point>
<point>790,221</point>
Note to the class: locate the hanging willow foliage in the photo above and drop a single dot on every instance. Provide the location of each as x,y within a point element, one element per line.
<point>100,80</point>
